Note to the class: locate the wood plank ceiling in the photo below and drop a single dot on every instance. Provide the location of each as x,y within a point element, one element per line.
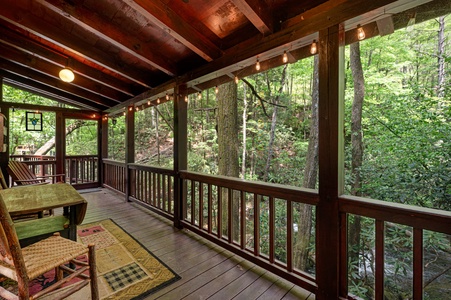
<point>126,51</point>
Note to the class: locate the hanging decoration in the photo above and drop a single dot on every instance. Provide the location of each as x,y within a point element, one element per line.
<point>34,121</point>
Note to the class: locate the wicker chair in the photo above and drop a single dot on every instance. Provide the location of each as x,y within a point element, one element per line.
<point>25,264</point>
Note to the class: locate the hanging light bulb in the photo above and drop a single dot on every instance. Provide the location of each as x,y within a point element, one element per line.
<point>360,33</point>
<point>199,95</point>
<point>137,108</point>
<point>158,100</point>
<point>186,98</point>
<point>148,102</point>
<point>257,65</point>
<point>237,79</point>
<point>313,47</point>
<point>285,57</point>
<point>67,75</point>
<point>216,89</point>
<point>167,96</point>
<point>130,108</point>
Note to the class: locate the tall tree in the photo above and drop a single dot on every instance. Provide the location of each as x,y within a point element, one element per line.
<point>228,147</point>
<point>357,146</point>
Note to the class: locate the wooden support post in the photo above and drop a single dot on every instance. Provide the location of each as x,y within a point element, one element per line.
<point>60,144</point>
<point>180,149</point>
<point>103,148</point>
<point>4,156</point>
<point>331,96</point>
<point>129,148</point>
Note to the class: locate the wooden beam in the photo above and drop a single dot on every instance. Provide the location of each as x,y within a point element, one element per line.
<point>105,30</point>
<point>26,19</point>
<point>51,70</point>
<point>165,18</point>
<point>257,11</point>
<point>24,44</point>
<point>55,83</point>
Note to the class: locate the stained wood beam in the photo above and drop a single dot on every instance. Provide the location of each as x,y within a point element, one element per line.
<point>52,70</point>
<point>55,83</point>
<point>48,92</point>
<point>27,45</point>
<point>22,15</point>
<point>165,18</point>
<point>257,11</point>
<point>105,30</point>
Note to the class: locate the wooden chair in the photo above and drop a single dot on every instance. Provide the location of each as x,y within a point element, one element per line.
<point>25,264</point>
<point>22,175</point>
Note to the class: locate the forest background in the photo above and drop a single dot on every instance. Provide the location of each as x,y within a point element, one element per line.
<point>397,141</point>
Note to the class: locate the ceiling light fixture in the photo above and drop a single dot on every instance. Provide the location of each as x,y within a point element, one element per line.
<point>67,75</point>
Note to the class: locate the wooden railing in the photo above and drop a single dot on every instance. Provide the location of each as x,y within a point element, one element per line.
<point>384,213</point>
<point>114,175</point>
<point>40,165</point>
<point>81,169</point>
<point>153,187</point>
<point>241,216</point>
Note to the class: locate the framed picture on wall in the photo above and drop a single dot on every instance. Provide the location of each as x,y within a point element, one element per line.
<point>34,121</point>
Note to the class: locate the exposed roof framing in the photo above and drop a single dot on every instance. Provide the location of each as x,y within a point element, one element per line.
<point>125,52</point>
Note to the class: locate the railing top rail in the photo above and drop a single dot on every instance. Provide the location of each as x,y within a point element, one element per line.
<point>39,162</point>
<point>308,196</point>
<point>416,217</point>
<point>81,156</point>
<point>114,162</point>
<point>152,169</point>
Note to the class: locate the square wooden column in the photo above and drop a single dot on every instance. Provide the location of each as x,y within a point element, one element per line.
<point>60,144</point>
<point>4,156</point>
<point>331,97</point>
<point>180,149</point>
<point>129,149</point>
<point>102,147</point>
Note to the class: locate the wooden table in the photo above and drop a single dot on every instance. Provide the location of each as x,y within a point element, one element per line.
<point>37,198</point>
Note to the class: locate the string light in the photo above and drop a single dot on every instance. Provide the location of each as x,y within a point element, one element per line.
<point>360,32</point>
<point>130,108</point>
<point>237,79</point>
<point>257,65</point>
<point>148,102</point>
<point>186,98</point>
<point>285,57</point>
<point>313,48</point>
<point>167,97</point>
<point>199,95</point>
<point>137,108</point>
<point>158,100</point>
<point>216,89</point>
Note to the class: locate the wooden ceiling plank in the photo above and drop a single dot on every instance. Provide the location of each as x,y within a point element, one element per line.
<point>24,44</point>
<point>172,24</point>
<point>257,11</point>
<point>93,23</point>
<point>47,68</point>
<point>55,83</point>
<point>49,92</point>
<point>26,20</point>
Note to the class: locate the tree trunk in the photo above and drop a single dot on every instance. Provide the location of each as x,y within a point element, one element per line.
<point>301,250</point>
<point>51,143</point>
<point>273,123</point>
<point>357,149</point>
<point>243,158</point>
<point>228,164</point>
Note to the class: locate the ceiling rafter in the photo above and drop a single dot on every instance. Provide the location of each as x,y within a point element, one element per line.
<point>26,20</point>
<point>172,24</point>
<point>257,11</point>
<point>93,23</point>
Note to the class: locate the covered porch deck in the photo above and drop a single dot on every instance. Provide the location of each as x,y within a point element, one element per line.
<point>207,271</point>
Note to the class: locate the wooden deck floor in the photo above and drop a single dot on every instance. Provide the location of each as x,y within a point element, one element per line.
<point>208,271</point>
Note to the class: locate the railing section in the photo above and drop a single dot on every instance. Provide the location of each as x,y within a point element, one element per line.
<point>256,220</point>
<point>81,169</point>
<point>114,175</point>
<point>40,165</point>
<point>153,187</point>
<point>399,243</point>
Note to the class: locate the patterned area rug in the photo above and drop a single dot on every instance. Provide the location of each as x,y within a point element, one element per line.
<point>125,269</point>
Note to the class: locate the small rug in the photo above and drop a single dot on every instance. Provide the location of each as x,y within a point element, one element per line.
<point>125,269</point>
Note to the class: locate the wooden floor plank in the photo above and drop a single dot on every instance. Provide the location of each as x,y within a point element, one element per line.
<point>206,269</point>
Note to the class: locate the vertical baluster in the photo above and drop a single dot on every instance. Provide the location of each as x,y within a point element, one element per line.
<point>289,236</point>
<point>379,285</point>
<point>272,225</point>
<point>417,264</point>
<point>210,209</point>
<point>230,225</point>
<point>219,211</point>
<point>193,200</point>
<point>242,220</point>
<point>201,204</point>
<point>256,225</point>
